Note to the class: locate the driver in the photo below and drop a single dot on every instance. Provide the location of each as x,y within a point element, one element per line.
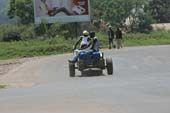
<point>83,41</point>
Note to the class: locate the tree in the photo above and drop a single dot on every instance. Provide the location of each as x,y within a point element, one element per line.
<point>113,11</point>
<point>160,10</point>
<point>22,9</point>
<point>140,17</point>
<point>11,11</point>
<point>117,12</point>
<point>145,20</point>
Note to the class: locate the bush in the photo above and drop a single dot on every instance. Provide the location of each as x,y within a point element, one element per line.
<point>55,30</point>
<point>9,32</point>
<point>11,36</point>
<point>27,35</point>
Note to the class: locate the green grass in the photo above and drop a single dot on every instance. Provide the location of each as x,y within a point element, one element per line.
<point>2,86</point>
<point>154,38</point>
<point>40,47</point>
<point>140,39</point>
<point>36,47</point>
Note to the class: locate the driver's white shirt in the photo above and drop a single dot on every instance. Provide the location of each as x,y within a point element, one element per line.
<point>84,40</point>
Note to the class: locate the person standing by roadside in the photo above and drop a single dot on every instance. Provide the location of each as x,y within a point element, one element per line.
<point>119,38</point>
<point>111,37</point>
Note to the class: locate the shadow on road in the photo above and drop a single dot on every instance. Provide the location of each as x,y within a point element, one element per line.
<point>91,73</point>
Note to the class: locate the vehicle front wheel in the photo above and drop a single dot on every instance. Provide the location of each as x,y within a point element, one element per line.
<point>109,66</point>
<point>72,69</point>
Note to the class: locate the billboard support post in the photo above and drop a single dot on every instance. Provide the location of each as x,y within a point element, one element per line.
<point>76,29</point>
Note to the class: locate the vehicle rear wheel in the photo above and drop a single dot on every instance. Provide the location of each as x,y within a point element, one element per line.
<point>72,69</point>
<point>109,66</point>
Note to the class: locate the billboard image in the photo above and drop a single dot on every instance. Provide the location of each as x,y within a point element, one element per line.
<point>61,10</point>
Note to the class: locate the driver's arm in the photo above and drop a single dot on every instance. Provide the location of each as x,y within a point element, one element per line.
<point>77,43</point>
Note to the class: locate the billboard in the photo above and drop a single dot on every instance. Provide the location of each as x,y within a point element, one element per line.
<point>61,10</point>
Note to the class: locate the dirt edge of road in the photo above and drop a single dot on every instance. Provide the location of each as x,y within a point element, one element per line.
<point>8,65</point>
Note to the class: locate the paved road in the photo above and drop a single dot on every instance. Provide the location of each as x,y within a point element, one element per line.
<point>140,84</point>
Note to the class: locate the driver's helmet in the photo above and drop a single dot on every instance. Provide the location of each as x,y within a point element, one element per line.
<point>110,26</point>
<point>85,33</point>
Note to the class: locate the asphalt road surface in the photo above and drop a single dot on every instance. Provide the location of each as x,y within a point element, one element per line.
<point>140,84</point>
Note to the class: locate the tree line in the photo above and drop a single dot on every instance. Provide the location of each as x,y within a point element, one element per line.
<point>133,15</point>
<point>115,11</point>
<point>139,13</point>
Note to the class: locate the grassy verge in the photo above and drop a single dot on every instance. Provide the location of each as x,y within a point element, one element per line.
<point>154,38</point>
<point>2,86</point>
<point>140,39</point>
<point>39,47</point>
<point>36,47</point>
